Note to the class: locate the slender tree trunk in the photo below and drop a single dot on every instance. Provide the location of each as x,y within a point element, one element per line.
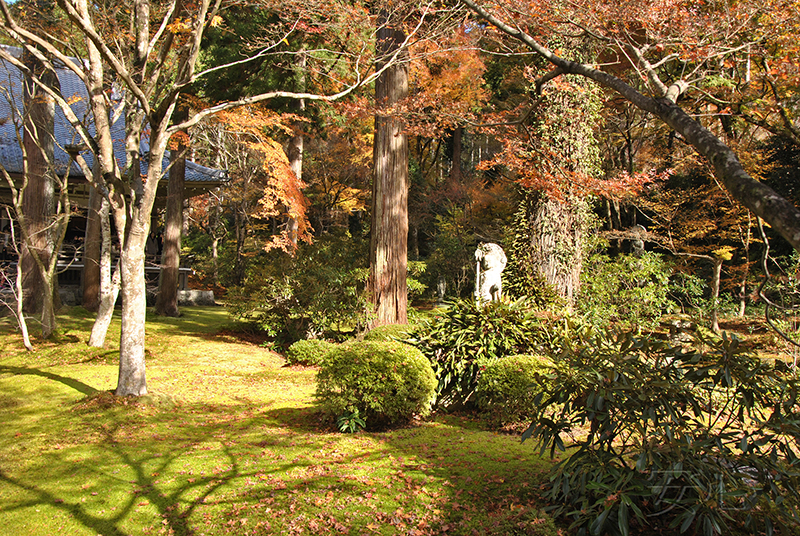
<point>389,231</point>
<point>715,284</point>
<point>109,285</point>
<point>295,149</point>
<point>240,222</point>
<point>93,239</point>
<point>455,155</point>
<point>167,301</point>
<point>19,294</point>
<point>23,324</point>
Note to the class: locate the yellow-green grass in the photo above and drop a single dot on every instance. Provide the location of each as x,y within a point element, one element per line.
<point>229,441</point>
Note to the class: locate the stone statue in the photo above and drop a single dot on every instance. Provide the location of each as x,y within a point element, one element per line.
<point>491,261</point>
<point>637,243</point>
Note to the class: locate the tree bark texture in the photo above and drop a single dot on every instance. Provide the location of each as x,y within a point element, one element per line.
<point>389,231</point>
<point>132,380</point>
<point>167,300</point>
<point>92,247</point>
<point>38,197</point>
<point>558,239</point>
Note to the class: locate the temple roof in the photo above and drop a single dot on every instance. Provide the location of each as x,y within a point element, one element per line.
<point>198,178</point>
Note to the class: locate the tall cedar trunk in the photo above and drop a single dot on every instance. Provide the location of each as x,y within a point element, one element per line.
<point>92,250</point>
<point>38,199</point>
<point>389,232</point>
<point>167,301</point>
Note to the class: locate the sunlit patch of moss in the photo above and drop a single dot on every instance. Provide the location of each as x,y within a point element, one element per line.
<point>229,441</point>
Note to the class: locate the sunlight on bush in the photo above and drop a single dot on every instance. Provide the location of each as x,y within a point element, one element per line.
<point>465,337</point>
<point>308,352</point>
<point>507,387</point>
<point>386,382</point>
<point>388,332</point>
<point>629,290</point>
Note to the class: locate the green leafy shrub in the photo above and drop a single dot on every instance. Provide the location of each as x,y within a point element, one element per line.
<point>630,290</point>
<point>388,332</point>
<point>467,336</point>
<point>415,287</point>
<point>507,387</point>
<point>386,382</point>
<point>687,439</point>
<point>308,352</point>
<point>318,291</point>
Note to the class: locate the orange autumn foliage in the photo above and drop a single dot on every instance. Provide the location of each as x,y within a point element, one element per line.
<point>282,194</point>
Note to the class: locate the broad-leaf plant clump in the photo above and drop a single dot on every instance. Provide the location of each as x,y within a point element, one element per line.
<point>654,435</point>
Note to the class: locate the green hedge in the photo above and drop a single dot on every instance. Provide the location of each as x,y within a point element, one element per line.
<point>308,352</point>
<point>385,382</point>
<point>507,387</point>
<point>389,332</point>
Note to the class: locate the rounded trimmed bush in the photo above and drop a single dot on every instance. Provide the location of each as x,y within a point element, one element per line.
<point>388,332</point>
<point>507,387</point>
<point>308,352</point>
<point>387,382</point>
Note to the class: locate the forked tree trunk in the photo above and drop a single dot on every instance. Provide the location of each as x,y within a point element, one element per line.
<point>109,285</point>
<point>389,231</point>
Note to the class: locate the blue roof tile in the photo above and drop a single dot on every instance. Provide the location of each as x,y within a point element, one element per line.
<point>73,89</point>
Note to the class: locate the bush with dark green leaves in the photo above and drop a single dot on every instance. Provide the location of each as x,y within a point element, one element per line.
<point>700,439</point>
<point>507,388</point>
<point>320,290</point>
<point>386,382</point>
<point>308,351</point>
<point>466,336</point>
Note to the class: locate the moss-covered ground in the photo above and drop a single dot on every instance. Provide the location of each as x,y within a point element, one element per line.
<point>229,442</point>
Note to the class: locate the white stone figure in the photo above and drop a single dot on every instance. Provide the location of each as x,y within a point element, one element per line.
<point>637,243</point>
<point>491,261</point>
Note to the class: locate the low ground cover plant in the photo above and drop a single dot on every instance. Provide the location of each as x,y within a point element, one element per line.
<point>383,383</point>
<point>700,439</point>
<point>388,332</point>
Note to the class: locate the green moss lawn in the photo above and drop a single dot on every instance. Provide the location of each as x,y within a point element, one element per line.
<point>229,442</point>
